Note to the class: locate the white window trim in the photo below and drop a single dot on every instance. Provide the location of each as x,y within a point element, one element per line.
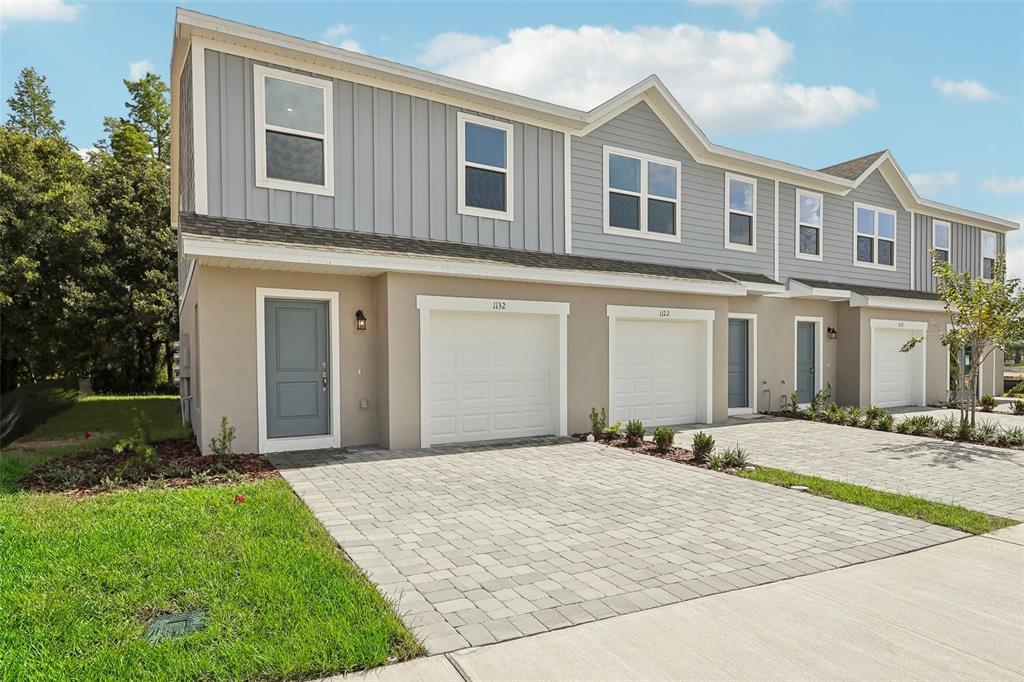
<point>260,74</point>
<point>819,353</point>
<point>922,327</point>
<point>752,247</point>
<point>332,439</point>
<point>643,195</point>
<point>895,233</point>
<point>751,407</point>
<point>462,119</point>
<point>821,228</point>
<point>427,304</point>
<point>705,412</point>
<point>949,238</point>
<point>995,254</point>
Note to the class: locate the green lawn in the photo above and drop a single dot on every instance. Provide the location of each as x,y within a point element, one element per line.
<point>949,515</point>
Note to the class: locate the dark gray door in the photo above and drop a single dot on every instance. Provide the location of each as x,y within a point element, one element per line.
<point>739,358</point>
<point>805,368</point>
<point>298,375</point>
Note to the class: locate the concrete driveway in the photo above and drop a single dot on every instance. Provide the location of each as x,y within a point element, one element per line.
<point>485,544</point>
<point>978,477</point>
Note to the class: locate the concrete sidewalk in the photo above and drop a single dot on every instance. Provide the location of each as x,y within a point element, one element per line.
<point>951,611</point>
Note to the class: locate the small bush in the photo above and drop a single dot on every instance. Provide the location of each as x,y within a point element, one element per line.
<point>663,437</point>
<point>234,477</point>
<point>947,428</point>
<point>734,458</point>
<point>703,446</point>
<point>987,432</point>
<point>108,484</point>
<point>138,446</point>
<point>854,416</point>
<point>634,432</point>
<point>793,404</point>
<point>821,398</point>
<point>1014,437</point>
<point>221,443</point>
<point>884,422</point>
<point>987,403</point>
<point>1018,407</point>
<point>200,478</point>
<point>919,425</point>
<point>903,426</point>
<point>716,462</point>
<point>872,415</point>
<point>598,422</point>
<point>613,431</point>
<point>965,431</point>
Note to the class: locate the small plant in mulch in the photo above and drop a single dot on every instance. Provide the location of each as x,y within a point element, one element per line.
<point>598,422</point>
<point>703,446</point>
<point>1017,407</point>
<point>663,437</point>
<point>634,432</point>
<point>987,403</point>
<point>221,443</point>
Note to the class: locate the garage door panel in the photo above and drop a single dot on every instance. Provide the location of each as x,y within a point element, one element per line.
<point>893,371</point>
<point>656,371</point>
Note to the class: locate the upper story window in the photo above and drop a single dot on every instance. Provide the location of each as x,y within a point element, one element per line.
<point>940,240</point>
<point>874,237</point>
<point>741,212</point>
<point>485,167</point>
<point>809,223</point>
<point>988,254</point>
<point>294,132</point>
<point>641,195</point>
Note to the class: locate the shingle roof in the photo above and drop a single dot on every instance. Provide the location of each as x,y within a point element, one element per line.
<point>854,168</point>
<point>869,290</point>
<point>206,226</point>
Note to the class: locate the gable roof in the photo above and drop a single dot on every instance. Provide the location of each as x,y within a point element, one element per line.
<point>238,38</point>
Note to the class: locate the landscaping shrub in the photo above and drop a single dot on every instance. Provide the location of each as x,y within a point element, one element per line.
<point>987,403</point>
<point>793,404</point>
<point>221,443</point>
<point>965,431</point>
<point>1015,437</point>
<point>1018,407</point>
<point>138,445</point>
<point>854,416</point>
<point>634,432</point>
<point>613,431</point>
<point>716,462</point>
<point>872,415</point>
<point>821,398</point>
<point>947,428</point>
<point>919,425</point>
<point>987,432</point>
<point>903,426</point>
<point>663,437</point>
<point>734,458</point>
<point>884,422</point>
<point>598,422</point>
<point>702,447</point>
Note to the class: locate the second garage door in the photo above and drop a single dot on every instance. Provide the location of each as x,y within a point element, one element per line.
<point>894,374</point>
<point>657,371</point>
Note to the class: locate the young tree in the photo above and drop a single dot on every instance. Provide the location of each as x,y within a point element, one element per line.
<point>32,107</point>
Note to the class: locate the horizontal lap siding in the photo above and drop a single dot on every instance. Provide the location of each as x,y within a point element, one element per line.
<point>703,202</point>
<point>395,167</point>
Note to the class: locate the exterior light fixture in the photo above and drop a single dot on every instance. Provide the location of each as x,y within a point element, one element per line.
<point>832,333</point>
<point>360,321</point>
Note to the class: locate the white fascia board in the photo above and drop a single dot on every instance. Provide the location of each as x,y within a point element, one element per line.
<point>798,289</point>
<point>246,250</point>
<point>896,303</point>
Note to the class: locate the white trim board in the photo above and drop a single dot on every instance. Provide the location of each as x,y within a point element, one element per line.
<point>921,399</point>
<point>819,353</point>
<point>428,304</point>
<point>200,183</point>
<point>333,439</point>
<point>751,363</point>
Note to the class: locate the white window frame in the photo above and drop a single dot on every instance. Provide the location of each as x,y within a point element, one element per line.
<point>752,247</point>
<point>949,238</point>
<point>462,119</point>
<point>821,228</point>
<point>874,252</point>
<point>643,195</point>
<point>995,253</point>
<point>260,74</point>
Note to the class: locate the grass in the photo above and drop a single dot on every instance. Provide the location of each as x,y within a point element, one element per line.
<point>949,515</point>
<point>82,577</point>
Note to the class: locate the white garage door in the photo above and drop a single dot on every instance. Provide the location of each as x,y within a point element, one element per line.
<point>491,376</point>
<point>655,370</point>
<point>892,371</point>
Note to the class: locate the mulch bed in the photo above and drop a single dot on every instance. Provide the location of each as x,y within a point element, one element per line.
<point>176,464</point>
<point>647,447</point>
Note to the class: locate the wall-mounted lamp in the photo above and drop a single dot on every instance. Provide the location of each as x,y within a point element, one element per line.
<point>832,333</point>
<point>360,321</point>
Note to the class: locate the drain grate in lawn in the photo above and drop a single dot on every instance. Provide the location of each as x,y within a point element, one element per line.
<point>171,625</point>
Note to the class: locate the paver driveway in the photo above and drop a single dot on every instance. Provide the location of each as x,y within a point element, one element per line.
<point>483,544</point>
<point>976,476</point>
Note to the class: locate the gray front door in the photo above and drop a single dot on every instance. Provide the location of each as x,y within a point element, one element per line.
<point>805,368</point>
<point>298,375</point>
<point>739,357</point>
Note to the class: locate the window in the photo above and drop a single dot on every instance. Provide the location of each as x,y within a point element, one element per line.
<point>808,225</point>
<point>741,209</point>
<point>988,254</point>
<point>294,136</point>
<point>641,195</point>
<point>874,237</point>
<point>940,240</point>
<point>485,167</point>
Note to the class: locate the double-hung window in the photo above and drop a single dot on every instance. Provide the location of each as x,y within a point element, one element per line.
<point>988,254</point>
<point>740,212</point>
<point>940,240</point>
<point>641,195</point>
<point>294,131</point>
<point>809,224</point>
<point>874,237</point>
<point>485,167</point>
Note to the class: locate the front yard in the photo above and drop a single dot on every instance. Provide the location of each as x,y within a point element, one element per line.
<point>83,576</point>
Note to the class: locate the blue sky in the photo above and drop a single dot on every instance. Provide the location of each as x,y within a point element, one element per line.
<point>811,83</point>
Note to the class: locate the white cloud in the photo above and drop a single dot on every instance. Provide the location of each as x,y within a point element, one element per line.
<point>1007,185</point>
<point>1015,249</point>
<point>750,9</point>
<point>968,90</point>
<point>727,80</point>
<point>837,7</point>
<point>37,10</point>
<point>139,69</point>
<point>335,36</point>
<point>933,183</point>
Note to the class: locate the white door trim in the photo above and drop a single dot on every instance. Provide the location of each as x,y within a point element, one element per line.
<point>627,312</point>
<point>819,352</point>
<point>751,363</point>
<point>496,306</point>
<point>914,326</point>
<point>332,439</point>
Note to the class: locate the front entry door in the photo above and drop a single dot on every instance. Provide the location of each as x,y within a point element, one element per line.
<point>298,375</point>
<point>805,368</point>
<point>739,357</point>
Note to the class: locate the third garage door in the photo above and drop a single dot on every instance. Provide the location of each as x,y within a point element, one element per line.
<point>895,375</point>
